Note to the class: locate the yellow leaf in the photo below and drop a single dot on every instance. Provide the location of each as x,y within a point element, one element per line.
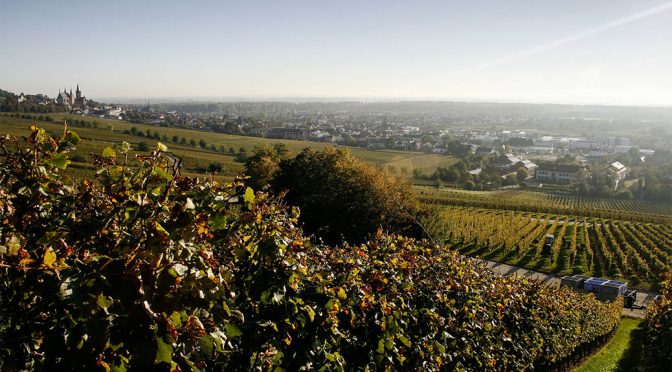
<point>49,257</point>
<point>341,294</point>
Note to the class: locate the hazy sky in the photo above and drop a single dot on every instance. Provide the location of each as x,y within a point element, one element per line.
<point>578,51</point>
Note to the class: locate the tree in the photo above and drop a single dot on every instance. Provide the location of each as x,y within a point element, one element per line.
<point>202,143</point>
<point>510,180</point>
<point>175,139</point>
<point>263,164</point>
<point>343,198</point>
<point>142,146</point>
<point>241,157</point>
<point>522,174</point>
<point>215,167</point>
<point>192,142</point>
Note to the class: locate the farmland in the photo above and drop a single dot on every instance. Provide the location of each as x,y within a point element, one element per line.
<point>111,132</point>
<point>543,202</point>
<point>636,252</point>
<point>624,239</point>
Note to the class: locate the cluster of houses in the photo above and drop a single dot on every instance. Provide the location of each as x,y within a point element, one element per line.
<point>551,172</point>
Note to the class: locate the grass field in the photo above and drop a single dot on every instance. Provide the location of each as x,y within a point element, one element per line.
<point>621,353</point>
<point>110,132</point>
<point>425,163</point>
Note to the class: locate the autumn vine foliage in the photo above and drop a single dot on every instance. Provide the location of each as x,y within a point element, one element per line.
<point>144,268</point>
<point>658,348</point>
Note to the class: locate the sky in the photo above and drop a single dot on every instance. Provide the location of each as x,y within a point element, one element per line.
<point>616,52</point>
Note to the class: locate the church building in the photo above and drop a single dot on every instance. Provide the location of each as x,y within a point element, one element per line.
<point>76,102</point>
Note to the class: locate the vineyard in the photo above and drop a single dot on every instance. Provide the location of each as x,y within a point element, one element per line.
<point>544,202</point>
<point>146,269</point>
<point>637,252</point>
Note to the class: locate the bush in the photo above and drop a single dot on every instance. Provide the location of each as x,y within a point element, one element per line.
<point>264,163</point>
<point>343,198</point>
<point>215,167</point>
<point>78,158</point>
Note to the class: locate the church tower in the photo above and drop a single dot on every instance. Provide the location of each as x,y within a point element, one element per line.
<point>78,92</point>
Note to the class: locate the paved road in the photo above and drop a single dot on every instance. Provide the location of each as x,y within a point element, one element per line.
<point>642,297</point>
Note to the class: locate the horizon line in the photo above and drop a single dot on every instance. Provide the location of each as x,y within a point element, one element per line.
<point>367,99</point>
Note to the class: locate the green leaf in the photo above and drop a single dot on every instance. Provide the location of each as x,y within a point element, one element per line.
<point>404,340</point>
<point>164,352</point>
<point>207,344</point>
<point>71,138</point>
<point>109,153</point>
<point>226,308</point>
<point>249,197</point>
<point>218,222</point>
<point>232,331</point>
<point>176,319</point>
<point>161,173</point>
<point>310,311</point>
<point>381,346</point>
<point>60,161</point>
<point>103,302</point>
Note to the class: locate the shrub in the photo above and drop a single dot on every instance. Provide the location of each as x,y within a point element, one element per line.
<point>343,198</point>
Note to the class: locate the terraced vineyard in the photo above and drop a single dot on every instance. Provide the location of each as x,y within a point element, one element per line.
<point>637,252</point>
<point>543,202</point>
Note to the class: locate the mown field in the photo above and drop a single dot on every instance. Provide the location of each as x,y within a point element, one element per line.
<point>635,252</point>
<point>111,132</point>
<point>543,202</point>
<point>426,164</point>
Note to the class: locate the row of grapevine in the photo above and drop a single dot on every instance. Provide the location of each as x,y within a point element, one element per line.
<point>636,252</point>
<point>542,202</point>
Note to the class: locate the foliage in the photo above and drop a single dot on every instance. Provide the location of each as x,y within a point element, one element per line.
<point>403,304</point>
<point>142,267</point>
<point>342,198</point>
<point>264,163</point>
<point>658,348</point>
<point>147,269</point>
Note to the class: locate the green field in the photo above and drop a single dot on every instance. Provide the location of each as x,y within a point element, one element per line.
<point>110,132</point>
<point>425,163</point>
<point>621,353</point>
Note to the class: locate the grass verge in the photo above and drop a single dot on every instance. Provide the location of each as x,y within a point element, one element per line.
<point>621,353</point>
